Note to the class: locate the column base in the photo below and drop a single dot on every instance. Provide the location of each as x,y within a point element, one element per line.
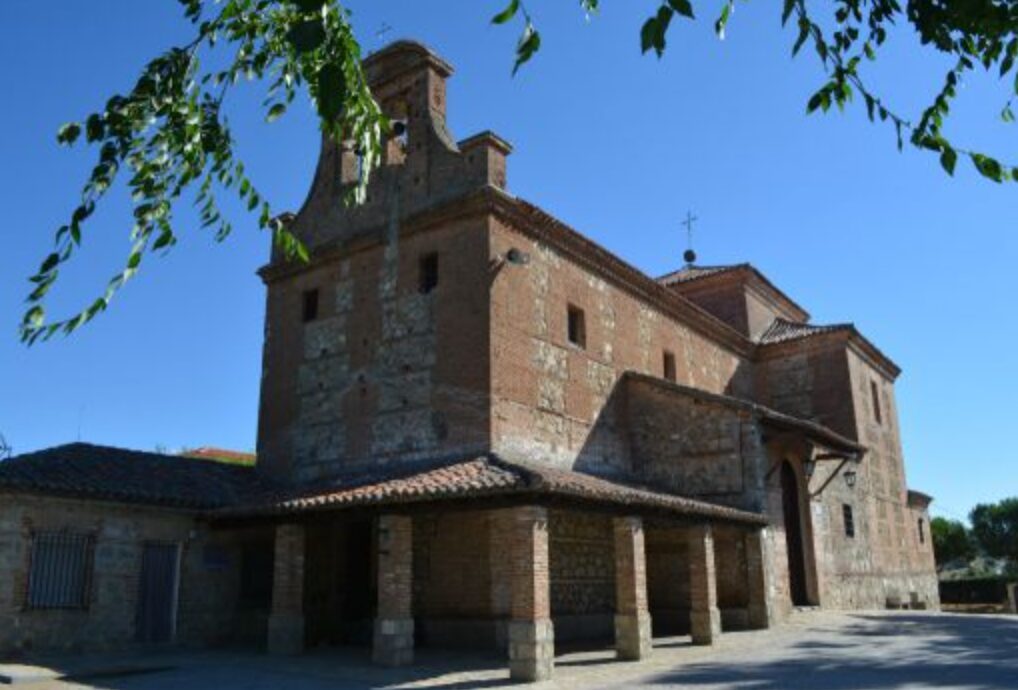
<point>286,634</point>
<point>632,636</point>
<point>760,616</point>
<point>705,626</point>
<point>531,650</point>
<point>393,641</point>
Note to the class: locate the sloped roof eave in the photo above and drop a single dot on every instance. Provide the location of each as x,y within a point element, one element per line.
<point>488,477</point>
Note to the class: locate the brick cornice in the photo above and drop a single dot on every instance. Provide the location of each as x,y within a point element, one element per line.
<point>847,336</point>
<point>542,226</point>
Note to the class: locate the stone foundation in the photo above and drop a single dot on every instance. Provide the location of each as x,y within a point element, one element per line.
<point>633,636</point>
<point>531,650</point>
<point>393,641</point>
<point>285,634</point>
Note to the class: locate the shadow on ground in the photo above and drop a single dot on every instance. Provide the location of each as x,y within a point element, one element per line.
<point>877,652</point>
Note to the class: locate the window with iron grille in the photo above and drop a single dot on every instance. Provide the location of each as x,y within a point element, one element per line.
<point>61,570</point>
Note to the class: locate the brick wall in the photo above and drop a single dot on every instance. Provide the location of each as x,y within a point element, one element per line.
<point>551,398</point>
<point>385,372</point>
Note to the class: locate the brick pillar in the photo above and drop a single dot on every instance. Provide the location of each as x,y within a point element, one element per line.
<point>632,618</point>
<point>704,616</point>
<point>394,624</point>
<point>531,636</point>
<point>286,621</point>
<point>1012,595</point>
<point>761,614</point>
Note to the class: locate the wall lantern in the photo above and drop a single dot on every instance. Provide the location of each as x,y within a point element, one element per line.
<point>517,257</point>
<point>809,467</point>
<point>850,477</point>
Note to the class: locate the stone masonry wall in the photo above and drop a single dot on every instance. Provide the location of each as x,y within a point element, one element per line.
<point>582,562</point>
<point>207,605</point>
<point>694,447</point>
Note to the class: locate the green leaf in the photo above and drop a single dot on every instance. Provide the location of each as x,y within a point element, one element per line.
<point>49,263</point>
<point>648,35</point>
<point>331,92</point>
<point>815,101</point>
<point>948,159</point>
<point>306,36</point>
<point>69,133</point>
<point>530,43</point>
<point>95,128</point>
<point>683,7</point>
<point>275,112</point>
<point>508,13</point>
<point>988,167</point>
<point>722,22</point>
<point>308,5</point>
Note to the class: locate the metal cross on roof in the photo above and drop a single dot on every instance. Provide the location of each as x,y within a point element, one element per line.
<point>689,255</point>
<point>382,32</point>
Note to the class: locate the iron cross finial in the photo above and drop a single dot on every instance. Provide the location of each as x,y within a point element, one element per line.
<point>689,255</point>
<point>382,32</point>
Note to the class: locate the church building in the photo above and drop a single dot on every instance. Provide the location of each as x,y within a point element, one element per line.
<point>478,428</point>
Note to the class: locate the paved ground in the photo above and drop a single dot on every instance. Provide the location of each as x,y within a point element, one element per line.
<point>818,651</point>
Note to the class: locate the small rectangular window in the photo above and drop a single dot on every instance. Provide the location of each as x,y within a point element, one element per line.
<point>428,273</point>
<point>310,305</point>
<point>875,394</point>
<point>922,531</point>
<point>60,572</point>
<point>577,327</point>
<point>669,365</point>
<point>846,511</point>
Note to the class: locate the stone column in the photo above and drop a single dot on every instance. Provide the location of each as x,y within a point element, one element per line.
<point>531,636</point>
<point>632,618</point>
<point>286,620</point>
<point>761,614</point>
<point>1012,595</point>
<point>704,616</point>
<point>394,623</point>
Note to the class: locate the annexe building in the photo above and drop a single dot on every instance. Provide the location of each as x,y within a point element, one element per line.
<point>479,428</point>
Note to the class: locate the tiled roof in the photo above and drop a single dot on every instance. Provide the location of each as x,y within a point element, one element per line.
<point>484,477</point>
<point>100,472</point>
<point>782,331</point>
<point>691,272</point>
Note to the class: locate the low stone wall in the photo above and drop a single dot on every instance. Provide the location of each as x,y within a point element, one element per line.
<point>876,591</point>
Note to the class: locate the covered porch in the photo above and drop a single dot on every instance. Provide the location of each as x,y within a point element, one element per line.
<point>508,558</point>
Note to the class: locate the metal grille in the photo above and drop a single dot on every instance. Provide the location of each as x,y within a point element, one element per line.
<point>61,569</point>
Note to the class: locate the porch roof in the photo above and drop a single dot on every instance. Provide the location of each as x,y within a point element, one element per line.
<point>484,477</point>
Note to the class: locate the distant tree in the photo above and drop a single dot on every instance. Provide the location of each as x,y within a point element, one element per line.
<point>951,541</point>
<point>995,528</point>
<point>168,139</point>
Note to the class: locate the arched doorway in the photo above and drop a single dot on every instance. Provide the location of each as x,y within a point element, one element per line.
<point>793,535</point>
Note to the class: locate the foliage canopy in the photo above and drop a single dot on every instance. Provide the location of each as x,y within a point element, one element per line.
<point>167,139</point>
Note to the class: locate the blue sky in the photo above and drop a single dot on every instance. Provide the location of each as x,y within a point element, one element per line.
<point>616,144</point>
